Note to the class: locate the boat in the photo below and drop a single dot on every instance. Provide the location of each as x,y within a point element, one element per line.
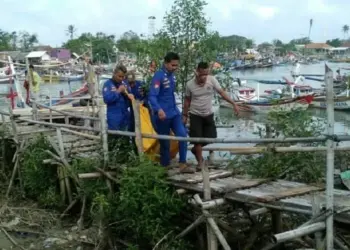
<point>265,106</point>
<point>50,78</point>
<point>341,101</point>
<point>278,82</point>
<point>71,78</point>
<point>240,94</point>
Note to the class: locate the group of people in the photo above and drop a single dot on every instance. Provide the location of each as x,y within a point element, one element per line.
<point>165,115</point>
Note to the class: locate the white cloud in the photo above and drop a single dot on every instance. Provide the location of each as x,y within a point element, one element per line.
<point>264,12</point>
<point>227,9</point>
<point>320,7</point>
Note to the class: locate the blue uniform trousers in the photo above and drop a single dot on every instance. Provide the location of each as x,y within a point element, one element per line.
<point>163,128</point>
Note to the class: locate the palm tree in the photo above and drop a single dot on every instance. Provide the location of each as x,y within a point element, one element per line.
<point>310,27</point>
<point>71,30</point>
<point>345,30</point>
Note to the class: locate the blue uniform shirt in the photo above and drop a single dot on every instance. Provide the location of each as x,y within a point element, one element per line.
<point>161,94</point>
<point>137,90</point>
<point>118,104</point>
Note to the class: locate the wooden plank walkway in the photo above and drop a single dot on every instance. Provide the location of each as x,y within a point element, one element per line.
<point>274,194</point>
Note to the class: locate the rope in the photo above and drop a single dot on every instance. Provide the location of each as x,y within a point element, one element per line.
<point>46,66</point>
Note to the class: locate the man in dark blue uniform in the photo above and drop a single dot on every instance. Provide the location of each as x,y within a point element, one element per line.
<point>117,100</point>
<point>162,101</point>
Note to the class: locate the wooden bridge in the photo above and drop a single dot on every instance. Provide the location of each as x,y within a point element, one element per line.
<point>212,187</point>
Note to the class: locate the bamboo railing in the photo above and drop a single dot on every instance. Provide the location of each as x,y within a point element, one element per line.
<point>213,232</point>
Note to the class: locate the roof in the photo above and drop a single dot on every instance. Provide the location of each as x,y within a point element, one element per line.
<point>36,54</point>
<point>318,46</point>
<point>346,44</point>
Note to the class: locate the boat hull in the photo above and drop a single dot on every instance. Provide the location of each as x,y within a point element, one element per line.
<point>277,105</point>
<point>340,103</point>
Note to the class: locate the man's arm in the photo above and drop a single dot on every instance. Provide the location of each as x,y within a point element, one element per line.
<point>154,92</point>
<point>187,101</point>
<point>109,93</point>
<point>221,92</point>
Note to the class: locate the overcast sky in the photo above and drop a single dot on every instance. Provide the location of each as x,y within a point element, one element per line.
<point>261,20</point>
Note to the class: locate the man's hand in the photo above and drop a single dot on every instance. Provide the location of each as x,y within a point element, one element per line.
<point>235,109</point>
<point>121,89</point>
<point>161,115</point>
<point>184,119</point>
<point>131,97</point>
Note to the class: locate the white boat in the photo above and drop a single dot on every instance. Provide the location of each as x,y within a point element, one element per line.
<point>242,94</point>
<point>71,78</point>
<point>265,106</point>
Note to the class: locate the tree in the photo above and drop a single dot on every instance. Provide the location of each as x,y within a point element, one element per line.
<point>239,43</point>
<point>14,38</point>
<point>345,30</point>
<point>128,42</point>
<point>5,39</point>
<point>71,30</point>
<point>102,45</point>
<point>186,26</point>
<point>277,43</point>
<point>301,41</point>
<point>334,42</point>
<point>27,40</point>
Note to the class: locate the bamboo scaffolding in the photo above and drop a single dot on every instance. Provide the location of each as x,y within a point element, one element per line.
<point>192,139</point>
<point>67,114</point>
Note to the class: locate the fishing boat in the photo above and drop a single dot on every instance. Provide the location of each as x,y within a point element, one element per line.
<point>241,94</point>
<point>265,106</point>
<point>71,78</point>
<point>341,101</point>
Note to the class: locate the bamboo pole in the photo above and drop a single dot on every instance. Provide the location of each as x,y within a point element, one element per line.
<point>64,168</point>
<point>315,211</point>
<point>68,114</point>
<point>212,241</point>
<point>138,135</point>
<point>193,139</point>
<point>296,233</point>
<point>330,157</point>
<point>3,153</point>
<point>104,136</point>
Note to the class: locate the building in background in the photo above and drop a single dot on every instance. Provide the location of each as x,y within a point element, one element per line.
<point>39,57</point>
<point>61,54</point>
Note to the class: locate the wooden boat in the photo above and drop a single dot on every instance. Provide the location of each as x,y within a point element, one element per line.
<point>71,78</point>
<point>265,106</point>
<point>242,94</point>
<point>50,78</point>
<point>340,102</point>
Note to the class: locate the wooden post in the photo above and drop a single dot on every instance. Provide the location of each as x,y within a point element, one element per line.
<point>104,136</point>
<point>138,139</point>
<point>3,142</point>
<point>276,217</point>
<point>64,170</point>
<point>211,239</point>
<point>330,158</point>
<point>316,209</point>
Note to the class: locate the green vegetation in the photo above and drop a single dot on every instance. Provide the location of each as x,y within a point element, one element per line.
<point>306,167</point>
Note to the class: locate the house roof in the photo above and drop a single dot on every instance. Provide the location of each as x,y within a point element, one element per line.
<point>318,46</point>
<point>36,54</point>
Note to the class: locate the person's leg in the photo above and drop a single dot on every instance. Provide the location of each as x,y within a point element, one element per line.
<point>179,130</point>
<point>163,128</point>
<point>196,130</point>
<point>209,129</point>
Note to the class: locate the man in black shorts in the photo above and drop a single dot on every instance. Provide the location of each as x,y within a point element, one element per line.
<point>198,105</point>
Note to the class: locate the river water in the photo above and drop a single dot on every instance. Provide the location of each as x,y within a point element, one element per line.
<point>246,124</point>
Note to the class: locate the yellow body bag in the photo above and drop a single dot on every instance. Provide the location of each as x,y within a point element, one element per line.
<point>151,147</point>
